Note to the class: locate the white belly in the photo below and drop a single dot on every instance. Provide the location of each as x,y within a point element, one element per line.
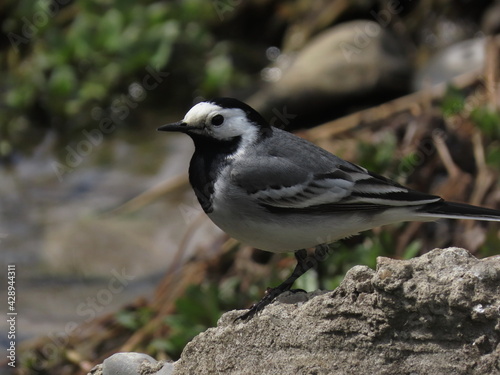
<point>284,233</point>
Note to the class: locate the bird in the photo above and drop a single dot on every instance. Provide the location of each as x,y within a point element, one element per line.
<point>277,192</point>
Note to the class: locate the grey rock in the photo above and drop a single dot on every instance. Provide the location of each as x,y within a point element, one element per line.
<point>343,64</point>
<point>129,364</point>
<point>459,58</point>
<point>435,314</point>
<point>166,369</point>
<point>96,370</point>
<point>132,364</point>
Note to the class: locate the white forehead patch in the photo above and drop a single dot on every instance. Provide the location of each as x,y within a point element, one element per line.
<point>235,121</point>
<point>197,115</point>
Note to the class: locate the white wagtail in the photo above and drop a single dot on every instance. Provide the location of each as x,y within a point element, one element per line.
<point>277,192</point>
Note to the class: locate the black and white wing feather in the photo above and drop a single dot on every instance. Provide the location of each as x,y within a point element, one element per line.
<point>278,184</point>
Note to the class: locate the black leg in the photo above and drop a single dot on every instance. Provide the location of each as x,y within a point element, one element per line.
<point>304,263</point>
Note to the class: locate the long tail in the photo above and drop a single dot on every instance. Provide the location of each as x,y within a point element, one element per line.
<point>452,210</point>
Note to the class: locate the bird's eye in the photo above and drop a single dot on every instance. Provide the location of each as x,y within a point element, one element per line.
<point>217,120</point>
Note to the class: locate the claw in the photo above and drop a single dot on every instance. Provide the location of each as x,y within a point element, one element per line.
<point>269,296</point>
<point>271,293</point>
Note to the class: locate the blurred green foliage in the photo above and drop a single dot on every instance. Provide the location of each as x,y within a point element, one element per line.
<point>378,157</point>
<point>135,319</point>
<point>198,309</point>
<point>491,243</point>
<point>487,120</point>
<point>67,63</point>
<point>453,101</point>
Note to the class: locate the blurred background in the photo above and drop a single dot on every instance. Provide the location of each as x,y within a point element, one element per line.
<point>111,249</point>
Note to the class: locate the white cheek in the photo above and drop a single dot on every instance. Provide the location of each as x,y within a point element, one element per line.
<point>234,127</point>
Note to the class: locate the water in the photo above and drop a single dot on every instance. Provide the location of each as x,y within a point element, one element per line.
<point>75,258</point>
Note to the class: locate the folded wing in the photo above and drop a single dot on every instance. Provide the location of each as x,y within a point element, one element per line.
<point>281,185</point>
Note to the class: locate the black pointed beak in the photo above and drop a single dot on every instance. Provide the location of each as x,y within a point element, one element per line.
<point>175,127</point>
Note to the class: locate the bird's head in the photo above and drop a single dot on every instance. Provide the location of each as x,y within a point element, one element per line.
<point>221,119</point>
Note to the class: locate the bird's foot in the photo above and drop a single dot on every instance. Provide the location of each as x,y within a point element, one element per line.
<point>269,296</point>
<point>303,264</point>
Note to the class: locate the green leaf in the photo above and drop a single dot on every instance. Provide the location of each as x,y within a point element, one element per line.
<point>21,96</point>
<point>62,81</point>
<point>93,90</point>
<point>453,102</point>
<point>493,154</point>
<point>487,120</point>
<point>127,319</point>
<point>412,250</point>
<point>110,30</point>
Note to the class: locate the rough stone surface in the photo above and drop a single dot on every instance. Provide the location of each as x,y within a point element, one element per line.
<point>436,314</point>
<point>132,364</point>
